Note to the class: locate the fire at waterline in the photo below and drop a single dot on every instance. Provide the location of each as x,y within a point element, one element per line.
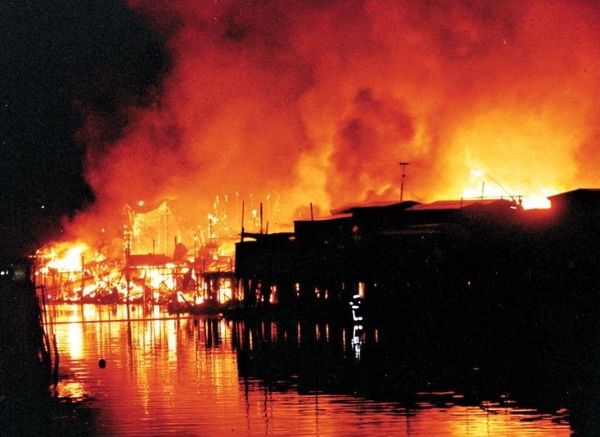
<point>256,99</point>
<point>355,250</point>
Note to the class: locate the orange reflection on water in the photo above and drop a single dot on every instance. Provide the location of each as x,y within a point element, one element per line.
<point>180,376</point>
<point>75,339</point>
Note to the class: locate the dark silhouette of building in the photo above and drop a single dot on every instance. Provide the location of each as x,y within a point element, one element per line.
<point>386,251</point>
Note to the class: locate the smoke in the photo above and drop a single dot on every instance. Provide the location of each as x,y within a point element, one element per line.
<point>318,101</point>
<point>361,157</point>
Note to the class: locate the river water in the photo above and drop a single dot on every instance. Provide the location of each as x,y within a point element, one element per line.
<point>190,376</point>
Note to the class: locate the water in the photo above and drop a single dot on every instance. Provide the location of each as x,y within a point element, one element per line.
<point>199,376</point>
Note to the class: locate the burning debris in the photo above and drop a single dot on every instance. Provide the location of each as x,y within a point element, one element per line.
<point>141,272</point>
<point>315,103</point>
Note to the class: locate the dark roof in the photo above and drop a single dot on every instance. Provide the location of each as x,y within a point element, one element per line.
<point>593,192</point>
<point>445,205</point>
<point>373,206</point>
<point>324,219</point>
<point>420,229</point>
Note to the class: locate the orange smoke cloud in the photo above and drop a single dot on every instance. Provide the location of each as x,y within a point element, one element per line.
<point>318,101</point>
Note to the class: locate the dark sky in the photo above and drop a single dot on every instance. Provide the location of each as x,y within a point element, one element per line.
<point>59,62</point>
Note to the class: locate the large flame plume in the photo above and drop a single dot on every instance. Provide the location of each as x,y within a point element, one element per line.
<point>289,103</point>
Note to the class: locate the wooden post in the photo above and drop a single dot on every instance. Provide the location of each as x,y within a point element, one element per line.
<point>403,164</point>
<point>82,278</point>
<point>261,217</point>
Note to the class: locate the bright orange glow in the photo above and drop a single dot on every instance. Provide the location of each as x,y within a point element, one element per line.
<point>162,374</point>
<point>517,152</point>
<point>482,185</point>
<point>493,99</point>
<point>66,257</point>
<point>536,201</point>
<point>71,335</point>
<point>225,293</point>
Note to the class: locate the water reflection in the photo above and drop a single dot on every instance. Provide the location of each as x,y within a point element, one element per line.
<point>207,376</point>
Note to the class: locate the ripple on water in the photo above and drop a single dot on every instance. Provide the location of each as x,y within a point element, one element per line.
<point>169,377</point>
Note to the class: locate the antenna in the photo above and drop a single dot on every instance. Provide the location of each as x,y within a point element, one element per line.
<point>512,196</point>
<point>242,234</point>
<point>403,164</point>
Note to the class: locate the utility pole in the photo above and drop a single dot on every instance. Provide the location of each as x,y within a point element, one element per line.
<point>242,234</point>
<point>403,164</point>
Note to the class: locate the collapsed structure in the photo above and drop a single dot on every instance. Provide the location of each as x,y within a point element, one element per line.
<point>148,264</point>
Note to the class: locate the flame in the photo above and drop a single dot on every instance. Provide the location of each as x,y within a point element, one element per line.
<point>67,257</point>
<point>292,104</point>
<point>482,185</point>
<point>157,279</point>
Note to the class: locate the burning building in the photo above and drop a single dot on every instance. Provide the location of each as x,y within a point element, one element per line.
<point>316,102</point>
<point>150,265</point>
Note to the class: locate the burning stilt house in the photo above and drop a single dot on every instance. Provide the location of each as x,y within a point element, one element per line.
<point>153,266</point>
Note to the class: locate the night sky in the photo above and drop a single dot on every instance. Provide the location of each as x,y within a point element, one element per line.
<point>60,61</point>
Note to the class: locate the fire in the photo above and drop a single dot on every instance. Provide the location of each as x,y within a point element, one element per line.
<point>276,106</point>
<point>66,257</point>
<point>482,185</point>
<point>518,152</point>
<point>536,201</point>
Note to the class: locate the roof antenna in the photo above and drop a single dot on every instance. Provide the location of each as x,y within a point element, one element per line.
<point>403,164</point>
<point>242,233</point>
<point>495,181</point>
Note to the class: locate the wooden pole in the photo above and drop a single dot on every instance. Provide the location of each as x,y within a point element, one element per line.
<point>82,278</point>
<point>261,217</point>
<point>403,164</point>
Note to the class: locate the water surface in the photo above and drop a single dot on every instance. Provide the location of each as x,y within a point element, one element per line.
<point>191,376</point>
